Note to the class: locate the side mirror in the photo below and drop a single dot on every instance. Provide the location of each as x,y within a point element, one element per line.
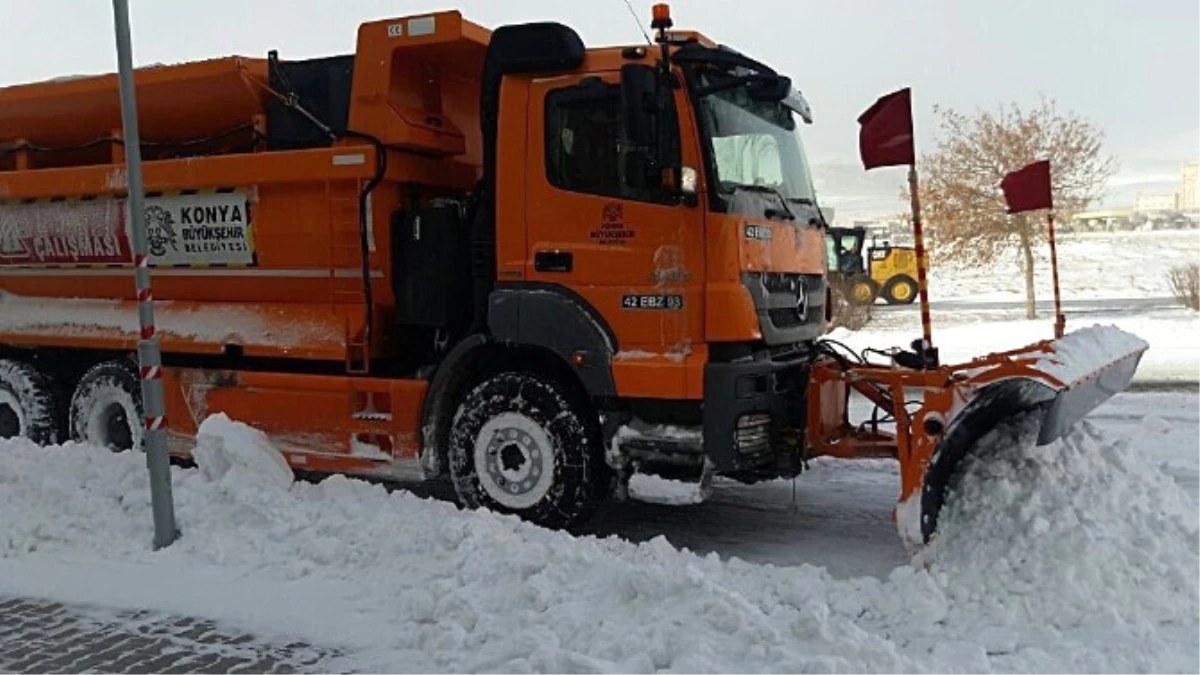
<point>648,123</point>
<point>639,104</point>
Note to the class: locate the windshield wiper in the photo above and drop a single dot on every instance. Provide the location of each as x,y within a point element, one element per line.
<point>786,213</point>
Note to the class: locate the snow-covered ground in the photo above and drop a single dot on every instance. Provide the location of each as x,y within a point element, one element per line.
<point>1092,265</point>
<point>1114,279</point>
<point>1173,335</point>
<point>1078,556</point>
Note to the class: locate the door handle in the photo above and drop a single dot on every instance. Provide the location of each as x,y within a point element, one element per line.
<point>553,261</point>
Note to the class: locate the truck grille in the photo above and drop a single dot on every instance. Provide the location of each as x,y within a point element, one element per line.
<point>784,318</point>
<point>753,434</point>
<point>790,306</point>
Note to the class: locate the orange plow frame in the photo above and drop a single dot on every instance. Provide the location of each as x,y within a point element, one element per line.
<point>956,405</point>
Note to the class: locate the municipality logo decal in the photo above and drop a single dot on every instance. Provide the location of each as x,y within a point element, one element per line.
<point>160,230</point>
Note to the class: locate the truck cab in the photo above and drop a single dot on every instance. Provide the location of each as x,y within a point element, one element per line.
<point>656,227</point>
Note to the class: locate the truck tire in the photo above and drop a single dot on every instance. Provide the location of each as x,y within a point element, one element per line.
<point>28,406</point>
<point>900,290</point>
<point>519,444</point>
<point>106,408</point>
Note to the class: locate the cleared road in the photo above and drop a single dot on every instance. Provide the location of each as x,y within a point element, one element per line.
<point>1107,305</point>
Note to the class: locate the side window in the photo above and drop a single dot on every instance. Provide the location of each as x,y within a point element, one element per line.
<point>584,147</point>
<point>831,255</point>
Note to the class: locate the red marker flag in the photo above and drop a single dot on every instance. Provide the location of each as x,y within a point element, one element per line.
<point>1028,189</point>
<point>886,136</point>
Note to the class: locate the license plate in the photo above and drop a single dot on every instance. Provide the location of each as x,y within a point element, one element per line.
<point>667,302</point>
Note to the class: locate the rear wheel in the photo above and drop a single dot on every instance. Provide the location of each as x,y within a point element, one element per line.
<point>28,408</point>
<point>522,444</point>
<point>106,409</point>
<point>862,290</point>
<point>900,290</point>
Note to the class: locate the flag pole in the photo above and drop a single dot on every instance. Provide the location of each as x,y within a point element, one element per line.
<point>1060,321</point>
<point>922,285</point>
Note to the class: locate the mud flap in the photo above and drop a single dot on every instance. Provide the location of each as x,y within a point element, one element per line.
<point>1060,409</point>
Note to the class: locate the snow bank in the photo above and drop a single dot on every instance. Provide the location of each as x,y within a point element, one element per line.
<point>429,587</point>
<point>1073,556</point>
<point>1075,543</point>
<point>223,445</point>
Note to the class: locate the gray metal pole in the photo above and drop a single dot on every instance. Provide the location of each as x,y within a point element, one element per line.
<point>154,438</point>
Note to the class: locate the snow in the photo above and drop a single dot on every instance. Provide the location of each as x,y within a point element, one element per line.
<point>1080,538</point>
<point>634,355</point>
<point>908,522</point>
<point>1099,265</point>
<point>1079,354</point>
<point>658,490</point>
<point>228,448</point>
<point>961,336</point>
<point>1076,556</point>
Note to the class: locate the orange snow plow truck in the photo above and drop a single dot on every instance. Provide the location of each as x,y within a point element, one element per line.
<point>494,257</point>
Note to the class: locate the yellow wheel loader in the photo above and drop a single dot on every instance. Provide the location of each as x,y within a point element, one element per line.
<point>888,271</point>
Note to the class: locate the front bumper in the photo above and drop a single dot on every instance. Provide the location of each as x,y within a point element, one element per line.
<point>750,406</point>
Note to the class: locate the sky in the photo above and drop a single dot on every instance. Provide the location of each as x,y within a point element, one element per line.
<point>1131,68</point>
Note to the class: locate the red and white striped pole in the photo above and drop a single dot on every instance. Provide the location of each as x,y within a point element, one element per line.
<point>1060,319</point>
<point>154,437</point>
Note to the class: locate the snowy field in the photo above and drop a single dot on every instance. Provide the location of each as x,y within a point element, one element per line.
<point>1082,556</point>
<point>1092,265</point>
<point>962,334</point>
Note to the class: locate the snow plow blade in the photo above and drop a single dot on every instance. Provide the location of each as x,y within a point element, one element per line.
<point>1062,381</point>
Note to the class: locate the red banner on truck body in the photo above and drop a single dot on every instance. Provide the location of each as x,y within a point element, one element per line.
<point>181,230</point>
<point>64,233</point>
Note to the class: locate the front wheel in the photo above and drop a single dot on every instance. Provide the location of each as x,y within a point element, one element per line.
<point>521,444</point>
<point>862,291</point>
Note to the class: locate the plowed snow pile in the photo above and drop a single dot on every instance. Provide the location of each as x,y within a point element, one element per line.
<point>1071,557</point>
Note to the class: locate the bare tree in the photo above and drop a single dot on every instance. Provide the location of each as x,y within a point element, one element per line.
<point>1185,284</point>
<point>960,181</point>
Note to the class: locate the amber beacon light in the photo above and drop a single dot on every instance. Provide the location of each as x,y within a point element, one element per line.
<point>661,15</point>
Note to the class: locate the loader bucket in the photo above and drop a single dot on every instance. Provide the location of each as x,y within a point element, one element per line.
<point>1081,371</point>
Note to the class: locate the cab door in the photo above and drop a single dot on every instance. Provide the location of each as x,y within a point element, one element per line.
<point>634,253</point>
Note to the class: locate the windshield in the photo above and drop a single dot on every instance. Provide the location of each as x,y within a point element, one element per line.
<point>754,143</point>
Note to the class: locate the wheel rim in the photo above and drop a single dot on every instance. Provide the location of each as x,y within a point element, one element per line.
<point>902,291</point>
<point>862,292</point>
<point>11,419</point>
<point>514,460</point>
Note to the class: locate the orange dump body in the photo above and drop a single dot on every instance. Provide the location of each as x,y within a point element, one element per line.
<point>246,220</point>
<point>255,236</point>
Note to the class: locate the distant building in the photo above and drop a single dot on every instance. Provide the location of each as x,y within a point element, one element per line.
<point>1152,203</point>
<point>1187,192</point>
